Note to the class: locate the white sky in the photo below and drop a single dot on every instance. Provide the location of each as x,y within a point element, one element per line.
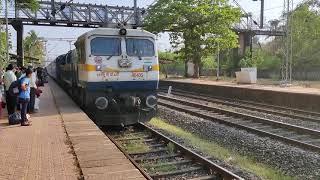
<point>273,10</point>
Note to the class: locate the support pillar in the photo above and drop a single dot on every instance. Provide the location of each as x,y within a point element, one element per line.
<point>242,44</point>
<point>18,26</point>
<point>245,40</point>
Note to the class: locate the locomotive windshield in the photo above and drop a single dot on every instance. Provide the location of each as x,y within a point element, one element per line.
<point>140,47</point>
<point>103,46</point>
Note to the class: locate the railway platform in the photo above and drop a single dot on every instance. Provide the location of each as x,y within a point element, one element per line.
<point>294,97</point>
<point>62,143</point>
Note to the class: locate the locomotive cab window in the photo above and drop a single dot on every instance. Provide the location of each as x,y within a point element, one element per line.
<point>140,47</point>
<point>103,46</point>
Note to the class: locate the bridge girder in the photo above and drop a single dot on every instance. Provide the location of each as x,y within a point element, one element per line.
<point>91,16</point>
<point>79,15</point>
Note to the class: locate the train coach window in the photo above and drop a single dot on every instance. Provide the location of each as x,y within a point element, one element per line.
<point>103,46</point>
<point>140,47</point>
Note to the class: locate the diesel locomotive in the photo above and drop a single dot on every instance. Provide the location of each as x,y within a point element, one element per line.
<point>113,75</point>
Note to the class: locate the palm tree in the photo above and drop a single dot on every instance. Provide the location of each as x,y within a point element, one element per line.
<point>33,47</point>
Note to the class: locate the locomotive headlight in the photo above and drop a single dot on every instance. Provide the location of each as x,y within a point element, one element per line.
<point>151,101</point>
<point>101,103</point>
<point>98,68</point>
<point>123,32</point>
<point>147,68</point>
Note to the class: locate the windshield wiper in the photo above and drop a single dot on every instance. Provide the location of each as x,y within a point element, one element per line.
<point>109,57</point>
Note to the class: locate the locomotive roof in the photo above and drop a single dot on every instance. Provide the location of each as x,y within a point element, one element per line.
<point>115,32</point>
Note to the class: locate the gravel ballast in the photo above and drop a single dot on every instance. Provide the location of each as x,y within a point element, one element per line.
<point>297,122</point>
<point>289,159</point>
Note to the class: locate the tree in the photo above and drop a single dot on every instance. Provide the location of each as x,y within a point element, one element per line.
<point>168,59</point>
<point>33,47</point>
<point>31,4</point>
<point>305,25</point>
<point>254,61</point>
<point>198,25</point>
<point>3,60</point>
<point>306,35</point>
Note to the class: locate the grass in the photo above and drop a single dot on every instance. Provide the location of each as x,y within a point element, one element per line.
<point>171,148</point>
<point>135,146</point>
<point>156,167</point>
<point>215,150</point>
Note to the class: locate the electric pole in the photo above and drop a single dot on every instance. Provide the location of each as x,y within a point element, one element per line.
<point>291,43</point>
<point>136,17</point>
<point>287,42</point>
<point>261,13</point>
<point>53,9</point>
<point>287,65</point>
<point>218,63</point>
<point>7,31</point>
<point>70,44</point>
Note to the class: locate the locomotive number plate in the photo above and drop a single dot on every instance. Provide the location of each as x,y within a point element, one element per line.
<point>107,76</point>
<point>137,74</point>
<point>111,74</point>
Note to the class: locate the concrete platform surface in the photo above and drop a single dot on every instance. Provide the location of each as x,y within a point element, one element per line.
<point>62,144</point>
<point>290,89</point>
<point>97,156</point>
<point>294,97</point>
<point>39,151</point>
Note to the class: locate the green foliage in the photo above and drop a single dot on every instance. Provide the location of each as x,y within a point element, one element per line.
<point>256,59</point>
<point>169,56</point>
<point>3,60</point>
<point>209,63</point>
<point>305,25</point>
<point>171,148</point>
<point>269,62</point>
<point>169,60</point>
<point>306,36</point>
<point>31,4</point>
<point>198,25</point>
<point>33,47</point>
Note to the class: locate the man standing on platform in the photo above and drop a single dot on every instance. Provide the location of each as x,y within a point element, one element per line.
<point>33,88</point>
<point>24,97</point>
<point>9,78</point>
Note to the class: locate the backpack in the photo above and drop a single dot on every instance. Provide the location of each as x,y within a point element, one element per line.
<point>14,118</point>
<point>15,87</point>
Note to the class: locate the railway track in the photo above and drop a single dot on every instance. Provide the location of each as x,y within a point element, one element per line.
<point>254,106</point>
<point>159,157</point>
<point>299,136</point>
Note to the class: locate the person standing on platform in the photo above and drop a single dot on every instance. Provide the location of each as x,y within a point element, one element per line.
<point>24,97</point>
<point>33,88</point>
<point>18,72</point>
<point>21,74</point>
<point>9,78</point>
<point>40,76</point>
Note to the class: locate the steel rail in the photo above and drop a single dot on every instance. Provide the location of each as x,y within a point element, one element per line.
<point>143,172</point>
<point>272,108</point>
<point>245,116</point>
<point>220,171</point>
<point>190,105</point>
<point>248,107</point>
<point>213,169</point>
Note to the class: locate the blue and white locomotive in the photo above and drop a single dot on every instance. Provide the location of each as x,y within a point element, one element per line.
<point>113,74</point>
